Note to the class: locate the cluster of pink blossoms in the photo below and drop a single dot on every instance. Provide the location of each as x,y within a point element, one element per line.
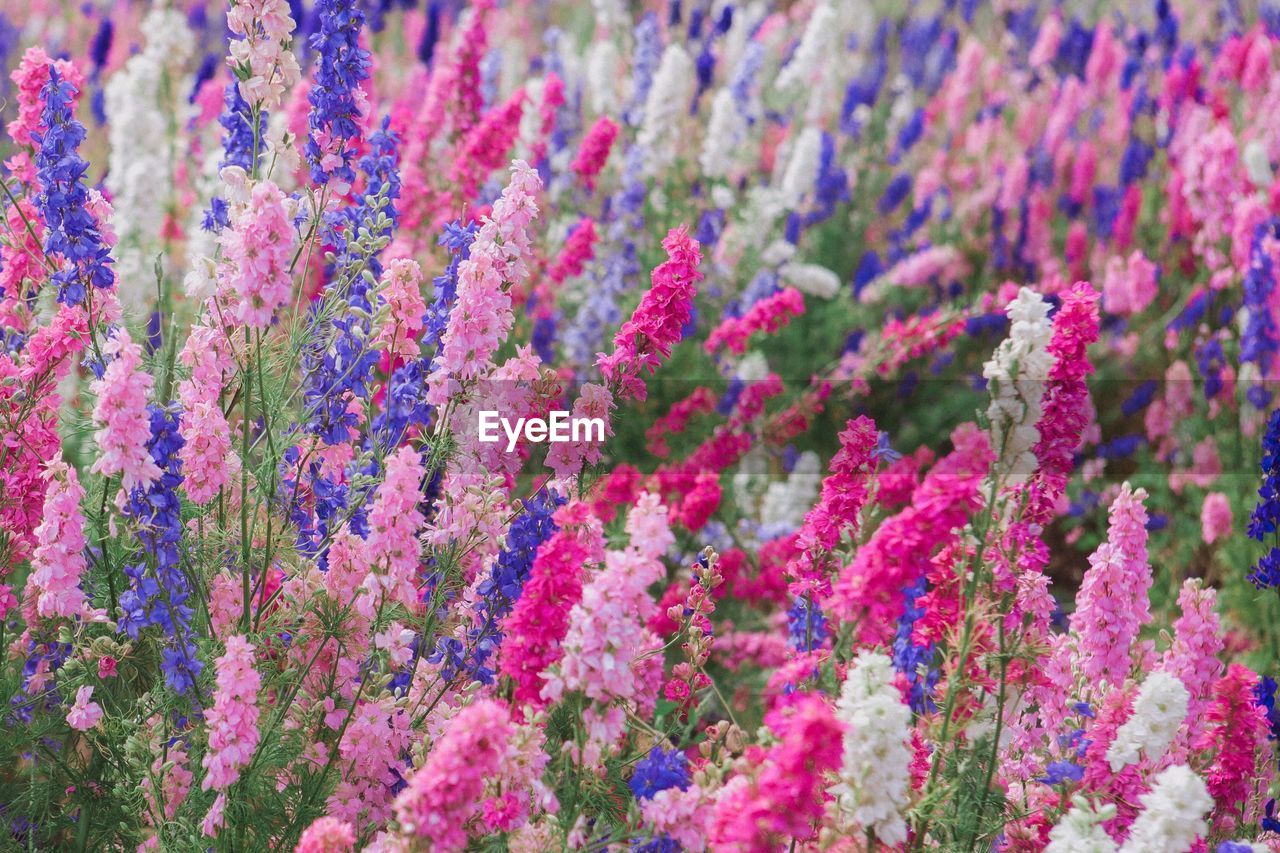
<point>257,253</point>
<point>233,719</point>
<point>445,793</point>
<point>121,415</point>
<point>58,563</point>
<point>658,321</point>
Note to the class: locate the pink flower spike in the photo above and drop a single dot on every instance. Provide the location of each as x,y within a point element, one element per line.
<point>121,415</point>
<point>658,321</point>
<point>327,835</point>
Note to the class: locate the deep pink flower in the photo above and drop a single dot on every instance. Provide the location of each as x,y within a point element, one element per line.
<point>784,799</point>
<point>656,325</point>
<point>594,150</point>
<point>768,315</point>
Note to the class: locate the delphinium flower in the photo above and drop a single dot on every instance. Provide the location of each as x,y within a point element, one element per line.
<point>594,150</point>
<point>1158,712</point>
<point>667,102</point>
<point>911,659</point>
<point>606,638</point>
<point>31,76</point>
<point>1112,605</point>
<point>372,749</point>
<point>873,787</point>
<point>1081,830</point>
<point>1215,518</point>
<point>338,363</point>
<point>658,321</point>
<point>899,553</point>
<point>29,408</point>
<point>726,129</point>
<point>394,522</point>
<point>1266,515</point>
<point>121,415</point>
<point>599,312</point>
<point>645,57</point>
<point>456,238</point>
<point>233,719</point>
<point>818,41</point>
<point>1235,734</point>
<point>1129,286</point>
<point>159,590</point>
<point>768,315</point>
<point>84,713</point>
<point>1067,408</point>
<point>498,592</point>
<point>1172,815</point>
<point>1260,340</point>
<point>140,105</point>
<point>481,316</point>
<point>400,309</point>
<point>263,65</point>
<point>327,835</point>
<point>844,492</point>
<point>486,145</point>
<point>1016,375</point>
<point>693,616</point>
<point>782,800</point>
<point>338,102</point>
<point>1197,642</point>
<point>802,168</point>
<point>659,770</point>
<point>537,624</point>
<point>208,461</point>
<point>59,561</point>
<point>257,251</point>
<point>20,267</point>
<point>445,793</point>
<point>72,235</point>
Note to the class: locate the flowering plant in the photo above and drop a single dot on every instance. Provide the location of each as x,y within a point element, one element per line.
<point>932,351</point>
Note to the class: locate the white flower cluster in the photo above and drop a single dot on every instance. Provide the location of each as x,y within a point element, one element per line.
<point>726,129</point>
<point>874,778</point>
<point>1080,830</point>
<point>668,102</point>
<point>1173,814</point>
<point>811,279</point>
<point>782,508</point>
<point>1016,375</point>
<point>144,101</point>
<point>802,167</point>
<point>817,45</point>
<point>1158,713</point>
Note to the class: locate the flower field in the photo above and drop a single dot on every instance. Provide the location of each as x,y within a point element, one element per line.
<point>639,425</point>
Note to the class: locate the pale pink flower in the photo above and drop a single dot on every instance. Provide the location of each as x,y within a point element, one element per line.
<point>257,251</point>
<point>121,415</point>
<point>327,835</point>
<point>233,719</point>
<point>58,561</point>
<point>445,793</point>
<point>401,311</point>
<point>84,714</point>
<point>1215,517</point>
<point>394,521</point>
